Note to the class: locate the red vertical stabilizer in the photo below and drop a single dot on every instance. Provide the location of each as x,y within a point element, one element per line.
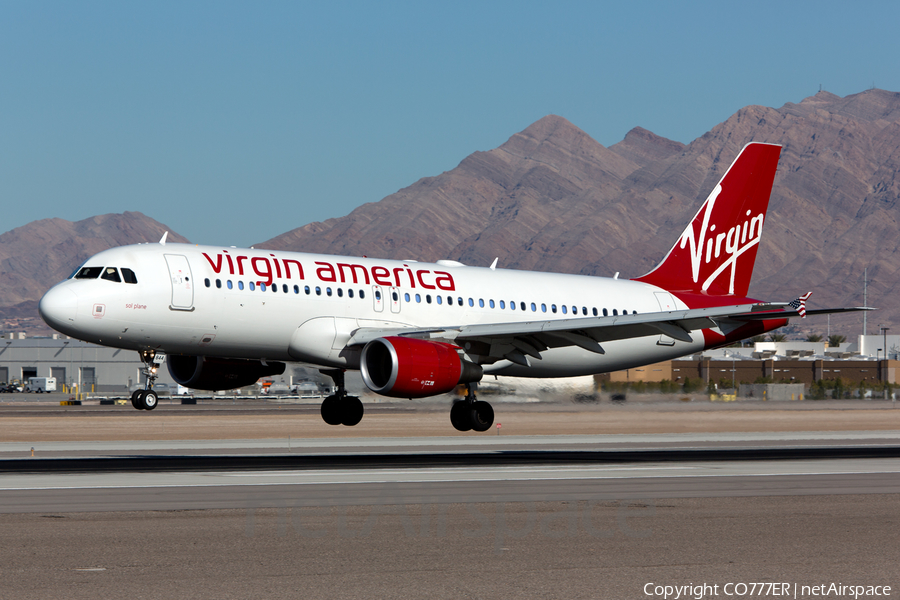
<point>715,254</point>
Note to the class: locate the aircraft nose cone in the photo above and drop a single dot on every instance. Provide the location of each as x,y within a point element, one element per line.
<point>58,307</point>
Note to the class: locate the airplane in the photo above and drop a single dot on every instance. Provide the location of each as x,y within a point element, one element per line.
<point>225,317</point>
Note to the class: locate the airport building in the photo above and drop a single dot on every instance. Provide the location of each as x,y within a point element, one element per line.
<point>75,364</point>
<point>787,362</point>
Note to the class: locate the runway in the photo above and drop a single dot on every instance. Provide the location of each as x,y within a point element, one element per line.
<point>557,516</point>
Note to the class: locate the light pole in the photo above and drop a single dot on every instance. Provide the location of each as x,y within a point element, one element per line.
<point>733,389</point>
<point>884,331</point>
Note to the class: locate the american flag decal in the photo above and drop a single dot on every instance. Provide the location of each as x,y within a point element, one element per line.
<point>800,304</point>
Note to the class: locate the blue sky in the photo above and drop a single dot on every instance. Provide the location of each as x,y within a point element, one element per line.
<point>233,122</point>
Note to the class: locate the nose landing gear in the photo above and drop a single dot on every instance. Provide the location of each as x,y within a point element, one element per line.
<point>147,399</point>
<point>471,414</point>
<point>339,408</point>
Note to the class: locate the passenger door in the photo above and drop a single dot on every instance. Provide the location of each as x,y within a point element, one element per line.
<point>182,286</point>
<point>666,304</point>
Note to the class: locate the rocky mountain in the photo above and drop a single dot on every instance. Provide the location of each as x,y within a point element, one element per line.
<point>552,198</point>
<point>36,256</point>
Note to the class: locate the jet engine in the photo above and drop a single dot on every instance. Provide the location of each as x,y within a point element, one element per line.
<point>412,368</point>
<point>211,373</point>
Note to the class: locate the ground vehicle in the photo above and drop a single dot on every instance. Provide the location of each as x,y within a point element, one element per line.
<point>41,384</point>
<point>161,389</point>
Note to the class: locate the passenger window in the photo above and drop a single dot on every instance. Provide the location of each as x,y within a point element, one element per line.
<point>206,282</point>
<point>274,287</point>
<point>543,308</point>
<point>251,285</point>
<point>605,313</point>
<point>427,298</point>
<point>502,304</point>
<point>219,284</point>
<point>584,310</point>
<point>406,297</point>
<point>459,301</point>
<point>418,298</point>
<point>350,293</point>
<point>128,275</point>
<point>296,289</point>
<point>229,285</point>
<point>480,303</point>
<point>574,310</point>
<point>340,292</point>
<point>89,273</point>
<point>533,307</point>
<point>564,309</point>
<point>262,286</point>
<point>306,290</point>
<point>328,292</point>
<point>553,308</point>
<point>595,311</point>
<point>440,299</point>
<point>284,288</point>
<point>378,295</point>
<point>491,303</point>
<point>111,274</point>
<point>471,302</point>
<point>362,295</point>
<point>450,300</point>
<point>522,305</point>
<point>240,285</point>
<point>512,305</point>
<point>615,313</point>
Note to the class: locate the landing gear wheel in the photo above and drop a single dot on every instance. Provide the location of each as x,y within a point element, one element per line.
<point>339,408</point>
<point>331,410</point>
<point>460,416</point>
<point>136,399</point>
<point>351,411</point>
<point>149,399</point>
<point>482,416</point>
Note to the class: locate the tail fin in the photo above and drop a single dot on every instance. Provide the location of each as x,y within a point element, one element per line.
<point>727,227</point>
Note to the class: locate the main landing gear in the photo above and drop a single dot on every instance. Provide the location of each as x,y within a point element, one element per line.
<point>339,408</point>
<point>471,413</point>
<point>146,399</point>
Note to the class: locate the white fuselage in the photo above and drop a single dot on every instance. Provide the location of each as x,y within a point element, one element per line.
<point>287,306</point>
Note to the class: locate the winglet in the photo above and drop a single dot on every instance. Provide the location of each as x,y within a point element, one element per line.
<point>162,240</point>
<point>494,264</point>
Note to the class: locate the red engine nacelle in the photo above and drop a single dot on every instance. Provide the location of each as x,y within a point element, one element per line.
<point>410,368</point>
<point>211,373</point>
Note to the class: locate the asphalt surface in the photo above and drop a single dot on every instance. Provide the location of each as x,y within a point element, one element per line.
<point>544,517</point>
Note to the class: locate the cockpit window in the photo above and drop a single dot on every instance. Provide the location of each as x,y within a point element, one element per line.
<point>111,274</point>
<point>129,277</point>
<point>89,273</point>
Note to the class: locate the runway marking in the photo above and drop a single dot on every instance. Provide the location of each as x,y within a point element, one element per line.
<point>469,480</point>
<point>453,470</point>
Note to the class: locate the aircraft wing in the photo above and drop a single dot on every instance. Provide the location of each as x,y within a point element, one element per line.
<point>516,340</point>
